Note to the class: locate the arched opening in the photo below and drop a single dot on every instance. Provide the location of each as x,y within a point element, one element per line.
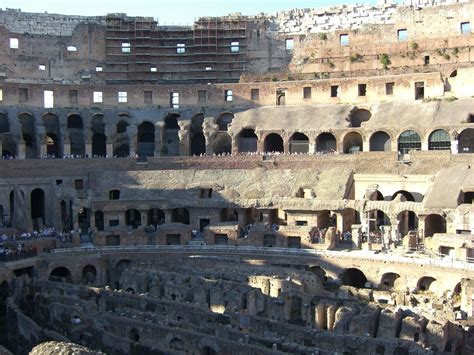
<point>170,144</point>
<point>207,350</point>
<point>120,267</point>
<point>273,143</point>
<point>353,277</point>
<point>114,195</point>
<point>9,147</point>
<point>222,144</point>
<point>376,219</point>
<point>97,123</point>
<point>326,143</point>
<point>156,217</point>
<point>407,221</point>
<point>37,204</point>
<point>352,143</point>
<point>146,140</point>
<point>133,335</point>
<point>121,144</point>
<point>403,196</point>
<point>426,283</point>
<point>439,140</point>
<point>247,141</point>
<point>177,345</point>
<point>99,145</point>
<point>53,131</point>
<point>76,135</point>
<point>389,281</point>
<point>28,130</point>
<point>434,223</point>
<point>466,141</point>
<point>198,144</point>
<point>99,220</point>
<point>407,141</point>
<point>60,274</point>
<point>180,215</point>
<point>4,123</point>
<point>52,146</point>
<point>89,274</point>
<point>360,116</point>
<point>83,220</point>
<point>133,218</point>
<point>380,142</point>
<point>224,121</point>
<point>299,143</point>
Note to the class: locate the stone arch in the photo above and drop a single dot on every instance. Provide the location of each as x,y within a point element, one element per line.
<point>360,116</point>
<point>180,215</point>
<point>155,216</point>
<point>28,130</point>
<point>89,274</point>
<point>176,344</point>
<point>426,284</point>
<point>326,143</point>
<point>403,196</point>
<point>97,123</point>
<point>75,128</point>
<point>247,140</point>
<point>4,123</point>
<point>121,144</point>
<point>376,219</point>
<point>52,146</point>
<point>37,204</point>
<point>353,277</point>
<point>9,147</point>
<point>466,141</point>
<point>390,281</point>
<point>99,145</point>
<point>146,139</point>
<point>60,274</point>
<point>352,142</point>
<point>408,140</point>
<point>380,142</point>
<point>299,143</point>
<point>434,223</point>
<point>208,350</point>
<point>114,194</point>
<point>198,144</point>
<point>222,144</point>
<point>99,220</point>
<point>133,218</point>
<point>224,120</point>
<point>439,139</point>
<point>171,140</point>
<point>407,221</point>
<point>273,143</point>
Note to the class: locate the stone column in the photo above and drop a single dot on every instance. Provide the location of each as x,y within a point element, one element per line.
<point>167,216</point>
<point>88,142</point>
<point>159,131</point>
<point>132,131</point>
<point>20,149</point>
<point>424,145</point>
<point>67,145</point>
<point>109,147</point>
<point>455,147</point>
<point>365,146</point>
<point>183,135</point>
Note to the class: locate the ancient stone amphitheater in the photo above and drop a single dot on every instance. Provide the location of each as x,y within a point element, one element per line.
<point>292,183</point>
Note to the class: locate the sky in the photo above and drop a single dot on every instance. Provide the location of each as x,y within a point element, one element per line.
<point>168,12</point>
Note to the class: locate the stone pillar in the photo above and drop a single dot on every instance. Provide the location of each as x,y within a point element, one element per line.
<point>455,147</point>
<point>144,217</point>
<point>159,131</point>
<point>340,221</point>
<point>183,135</point>
<point>1,146</point>
<point>109,147</point>
<point>122,220</point>
<point>88,143</point>
<point>20,149</point>
<point>132,139</point>
<point>365,146</point>
<point>286,144</point>
<point>235,145</point>
<point>312,146</point>
<point>356,236</point>
<point>168,216</point>
<point>67,146</point>
<point>75,218</point>
<point>424,145</point>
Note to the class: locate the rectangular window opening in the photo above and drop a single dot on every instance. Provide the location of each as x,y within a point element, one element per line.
<point>427,59</point>
<point>344,39</point>
<point>255,94</point>
<point>1,95</point>
<point>402,35</point>
<point>174,99</point>
<point>362,89</point>
<point>202,96</point>
<point>97,96</point>
<point>334,90</point>
<point>389,88</point>
<point>229,95</point>
<point>48,99</point>
<point>42,67</point>
<point>465,27</point>
<point>98,68</point>
<point>289,44</point>
<point>23,95</point>
<point>307,92</point>
<point>71,48</point>
<point>180,48</point>
<point>281,97</point>
<point>419,90</point>
<point>126,47</point>
<point>14,44</point>
<point>234,47</point>
<point>153,69</point>
<point>79,184</point>
<point>148,97</point>
<point>73,96</point>
<point>122,96</point>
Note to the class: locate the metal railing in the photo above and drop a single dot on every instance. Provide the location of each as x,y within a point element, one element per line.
<point>420,260</point>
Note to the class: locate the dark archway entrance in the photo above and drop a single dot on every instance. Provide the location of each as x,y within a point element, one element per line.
<point>380,142</point>
<point>38,208</point>
<point>466,141</point>
<point>146,140</point>
<point>247,141</point>
<point>326,143</point>
<point>273,143</point>
<point>353,277</point>
<point>299,143</point>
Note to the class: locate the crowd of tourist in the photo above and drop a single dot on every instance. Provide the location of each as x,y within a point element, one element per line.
<point>20,251</point>
<point>42,233</point>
